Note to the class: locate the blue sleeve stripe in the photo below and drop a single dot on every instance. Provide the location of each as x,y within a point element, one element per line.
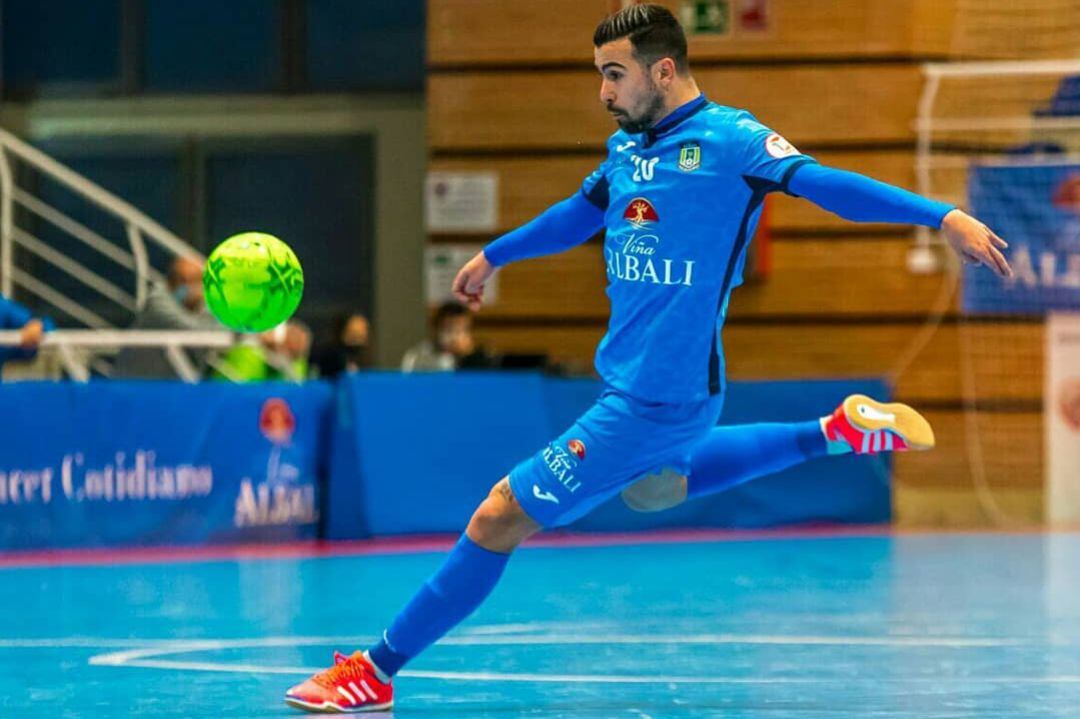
<point>598,194</point>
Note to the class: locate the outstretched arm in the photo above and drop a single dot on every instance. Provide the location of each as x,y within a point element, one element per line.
<point>564,225</point>
<point>861,199</point>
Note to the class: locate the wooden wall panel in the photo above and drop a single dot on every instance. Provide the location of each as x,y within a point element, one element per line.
<point>505,32</point>
<point>571,343</point>
<point>834,277</point>
<point>811,350</point>
<point>529,184</point>
<point>762,352</point>
<point>952,507</point>
<point>1015,463</point>
<point>836,104</point>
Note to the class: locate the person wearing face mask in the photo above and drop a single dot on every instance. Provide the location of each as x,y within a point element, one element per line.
<point>350,348</point>
<point>177,304</point>
<point>452,345</point>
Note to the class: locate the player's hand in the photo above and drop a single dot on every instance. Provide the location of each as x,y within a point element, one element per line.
<point>31,334</point>
<point>975,242</point>
<point>469,284</point>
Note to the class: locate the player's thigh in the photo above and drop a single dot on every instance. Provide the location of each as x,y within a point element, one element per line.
<point>588,463</point>
<point>656,491</point>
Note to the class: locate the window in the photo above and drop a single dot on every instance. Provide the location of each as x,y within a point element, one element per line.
<point>365,45</point>
<point>47,46</point>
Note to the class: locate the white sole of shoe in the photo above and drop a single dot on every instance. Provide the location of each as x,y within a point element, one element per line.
<point>331,708</point>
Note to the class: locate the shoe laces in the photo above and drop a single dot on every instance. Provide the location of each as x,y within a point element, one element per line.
<point>344,669</point>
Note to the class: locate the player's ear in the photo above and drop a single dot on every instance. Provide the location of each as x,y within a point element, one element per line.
<point>664,70</point>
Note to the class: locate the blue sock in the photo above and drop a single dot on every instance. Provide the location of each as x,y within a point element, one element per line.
<point>732,455</point>
<point>457,588</point>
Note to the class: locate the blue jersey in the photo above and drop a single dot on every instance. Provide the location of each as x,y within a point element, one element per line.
<point>681,202</point>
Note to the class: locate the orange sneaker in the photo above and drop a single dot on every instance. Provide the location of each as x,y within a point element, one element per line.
<point>350,686</point>
<point>866,426</point>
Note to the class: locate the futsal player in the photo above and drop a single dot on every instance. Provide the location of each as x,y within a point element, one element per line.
<point>678,196</point>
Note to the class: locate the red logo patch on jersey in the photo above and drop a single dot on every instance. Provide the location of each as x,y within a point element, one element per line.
<point>577,447</point>
<point>1067,194</point>
<point>276,421</point>
<point>640,212</point>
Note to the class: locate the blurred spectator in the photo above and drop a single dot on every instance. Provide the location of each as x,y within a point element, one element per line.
<point>14,316</point>
<point>290,352</point>
<point>279,354</point>
<point>349,349</point>
<point>451,346</point>
<point>176,305</point>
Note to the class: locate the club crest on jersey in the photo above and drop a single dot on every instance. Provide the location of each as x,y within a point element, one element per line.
<point>689,157</point>
<point>640,213</point>
<point>577,447</point>
<point>778,147</point>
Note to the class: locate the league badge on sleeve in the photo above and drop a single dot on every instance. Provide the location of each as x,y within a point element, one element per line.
<point>778,147</point>
<point>689,156</point>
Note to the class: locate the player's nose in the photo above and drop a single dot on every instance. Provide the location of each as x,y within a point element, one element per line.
<point>607,95</point>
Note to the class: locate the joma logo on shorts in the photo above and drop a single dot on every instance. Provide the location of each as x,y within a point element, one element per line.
<point>559,464</point>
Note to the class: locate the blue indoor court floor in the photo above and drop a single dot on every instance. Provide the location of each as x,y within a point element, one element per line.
<point>876,625</point>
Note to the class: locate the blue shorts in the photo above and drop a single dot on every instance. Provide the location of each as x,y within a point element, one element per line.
<point>617,441</point>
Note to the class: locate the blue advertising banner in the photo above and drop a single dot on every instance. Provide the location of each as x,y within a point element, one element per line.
<point>418,453</point>
<point>1035,207</point>
<point>152,463</point>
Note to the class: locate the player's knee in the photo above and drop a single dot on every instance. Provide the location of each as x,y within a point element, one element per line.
<point>656,492</point>
<point>499,523</point>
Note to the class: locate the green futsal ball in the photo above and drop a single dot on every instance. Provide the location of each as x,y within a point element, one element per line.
<point>253,282</point>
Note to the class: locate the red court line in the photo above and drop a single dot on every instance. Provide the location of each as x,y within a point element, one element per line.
<point>442,542</point>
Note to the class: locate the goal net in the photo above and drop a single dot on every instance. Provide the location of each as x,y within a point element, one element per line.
<point>1002,138</point>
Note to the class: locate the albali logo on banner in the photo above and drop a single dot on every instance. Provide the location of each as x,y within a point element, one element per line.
<point>282,498</point>
<point>127,478</point>
<point>1055,265</point>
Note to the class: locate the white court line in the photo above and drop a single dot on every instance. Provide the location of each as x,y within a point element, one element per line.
<point>596,678</point>
<point>152,657</point>
<point>577,639</point>
<point>87,643</point>
<point>782,640</point>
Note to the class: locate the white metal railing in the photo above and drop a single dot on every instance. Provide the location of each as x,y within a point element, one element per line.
<point>67,343</point>
<point>138,230</point>
<point>922,257</point>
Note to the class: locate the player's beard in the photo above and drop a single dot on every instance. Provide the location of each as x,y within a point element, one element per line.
<point>649,115</point>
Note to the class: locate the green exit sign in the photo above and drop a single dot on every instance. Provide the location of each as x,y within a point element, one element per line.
<point>711,17</point>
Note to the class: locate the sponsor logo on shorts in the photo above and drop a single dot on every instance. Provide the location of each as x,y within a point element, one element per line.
<point>561,464</point>
<point>577,447</point>
<point>546,496</point>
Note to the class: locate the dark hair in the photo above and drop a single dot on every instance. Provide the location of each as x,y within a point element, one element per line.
<point>448,310</point>
<point>341,321</point>
<point>653,31</point>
